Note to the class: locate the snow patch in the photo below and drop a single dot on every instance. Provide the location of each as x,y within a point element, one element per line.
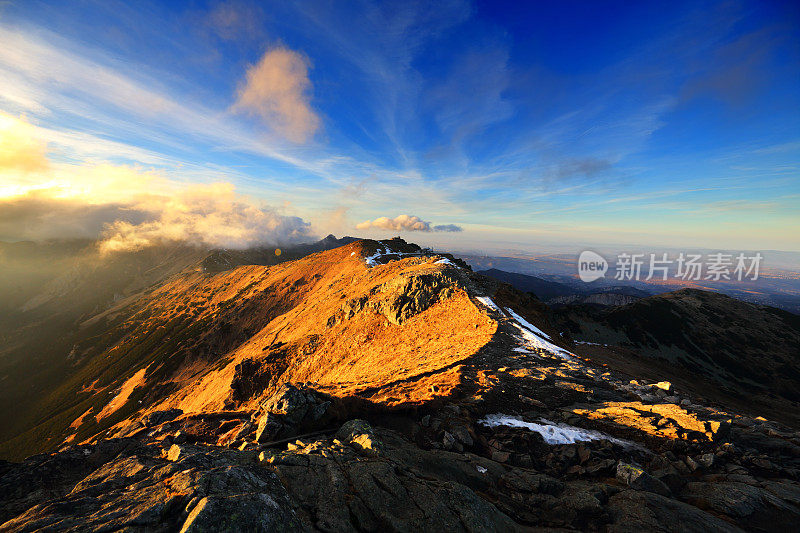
<point>444,261</point>
<point>481,469</point>
<point>485,300</point>
<point>526,324</point>
<point>372,260</point>
<point>552,432</point>
<point>533,337</point>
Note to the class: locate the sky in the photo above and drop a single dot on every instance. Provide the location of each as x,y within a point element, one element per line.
<point>465,125</point>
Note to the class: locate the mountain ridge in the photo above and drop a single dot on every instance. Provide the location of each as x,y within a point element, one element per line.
<point>378,385</point>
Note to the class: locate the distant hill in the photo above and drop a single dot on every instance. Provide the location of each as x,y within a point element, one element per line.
<point>543,289</point>
<point>746,349</point>
<point>224,259</point>
<point>749,346</point>
<point>555,293</point>
<point>601,296</point>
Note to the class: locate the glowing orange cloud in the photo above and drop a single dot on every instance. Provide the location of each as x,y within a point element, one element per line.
<point>405,223</point>
<point>128,207</point>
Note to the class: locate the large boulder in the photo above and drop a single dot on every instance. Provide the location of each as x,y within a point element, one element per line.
<point>633,511</point>
<point>360,435</point>
<point>635,477</point>
<point>290,411</point>
<point>238,512</point>
<point>204,489</point>
<point>753,507</point>
<point>336,487</point>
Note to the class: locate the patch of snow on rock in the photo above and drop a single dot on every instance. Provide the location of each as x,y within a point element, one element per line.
<point>485,300</point>
<point>372,260</point>
<point>444,261</point>
<point>552,432</point>
<point>534,337</point>
<point>527,324</point>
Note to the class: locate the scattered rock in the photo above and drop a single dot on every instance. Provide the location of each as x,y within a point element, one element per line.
<point>448,440</point>
<point>461,433</point>
<point>351,428</point>
<point>360,435</point>
<point>707,460</point>
<point>174,453</point>
<point>159,417</point>
<point>500,457</point>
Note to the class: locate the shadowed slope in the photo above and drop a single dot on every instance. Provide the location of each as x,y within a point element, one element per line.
<point>736,351</point>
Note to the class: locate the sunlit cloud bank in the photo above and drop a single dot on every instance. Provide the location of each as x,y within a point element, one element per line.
<point>128,208</point>
<point>208,214</point>
<point>405,223</point>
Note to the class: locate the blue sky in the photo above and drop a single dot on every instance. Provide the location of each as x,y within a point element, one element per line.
<point>526,125</point>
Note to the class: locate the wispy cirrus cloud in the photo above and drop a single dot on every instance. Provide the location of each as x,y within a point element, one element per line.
<point>62,81</point>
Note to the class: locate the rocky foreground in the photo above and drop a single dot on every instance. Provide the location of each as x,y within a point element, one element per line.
<point>508,428</point>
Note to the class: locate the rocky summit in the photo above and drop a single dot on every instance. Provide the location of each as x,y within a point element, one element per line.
<point>377,386</point>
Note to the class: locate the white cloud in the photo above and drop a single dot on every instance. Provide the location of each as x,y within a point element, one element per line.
<point>49,75</point>
<point>405,223</point>
<point>208,214</point>
<point>278,90</point>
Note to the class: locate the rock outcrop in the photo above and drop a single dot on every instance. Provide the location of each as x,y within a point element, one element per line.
<point>291,411</point>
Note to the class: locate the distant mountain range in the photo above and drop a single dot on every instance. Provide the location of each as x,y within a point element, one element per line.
<point>778,285</point>
<point>543,289</point>
<point>555,293</point>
